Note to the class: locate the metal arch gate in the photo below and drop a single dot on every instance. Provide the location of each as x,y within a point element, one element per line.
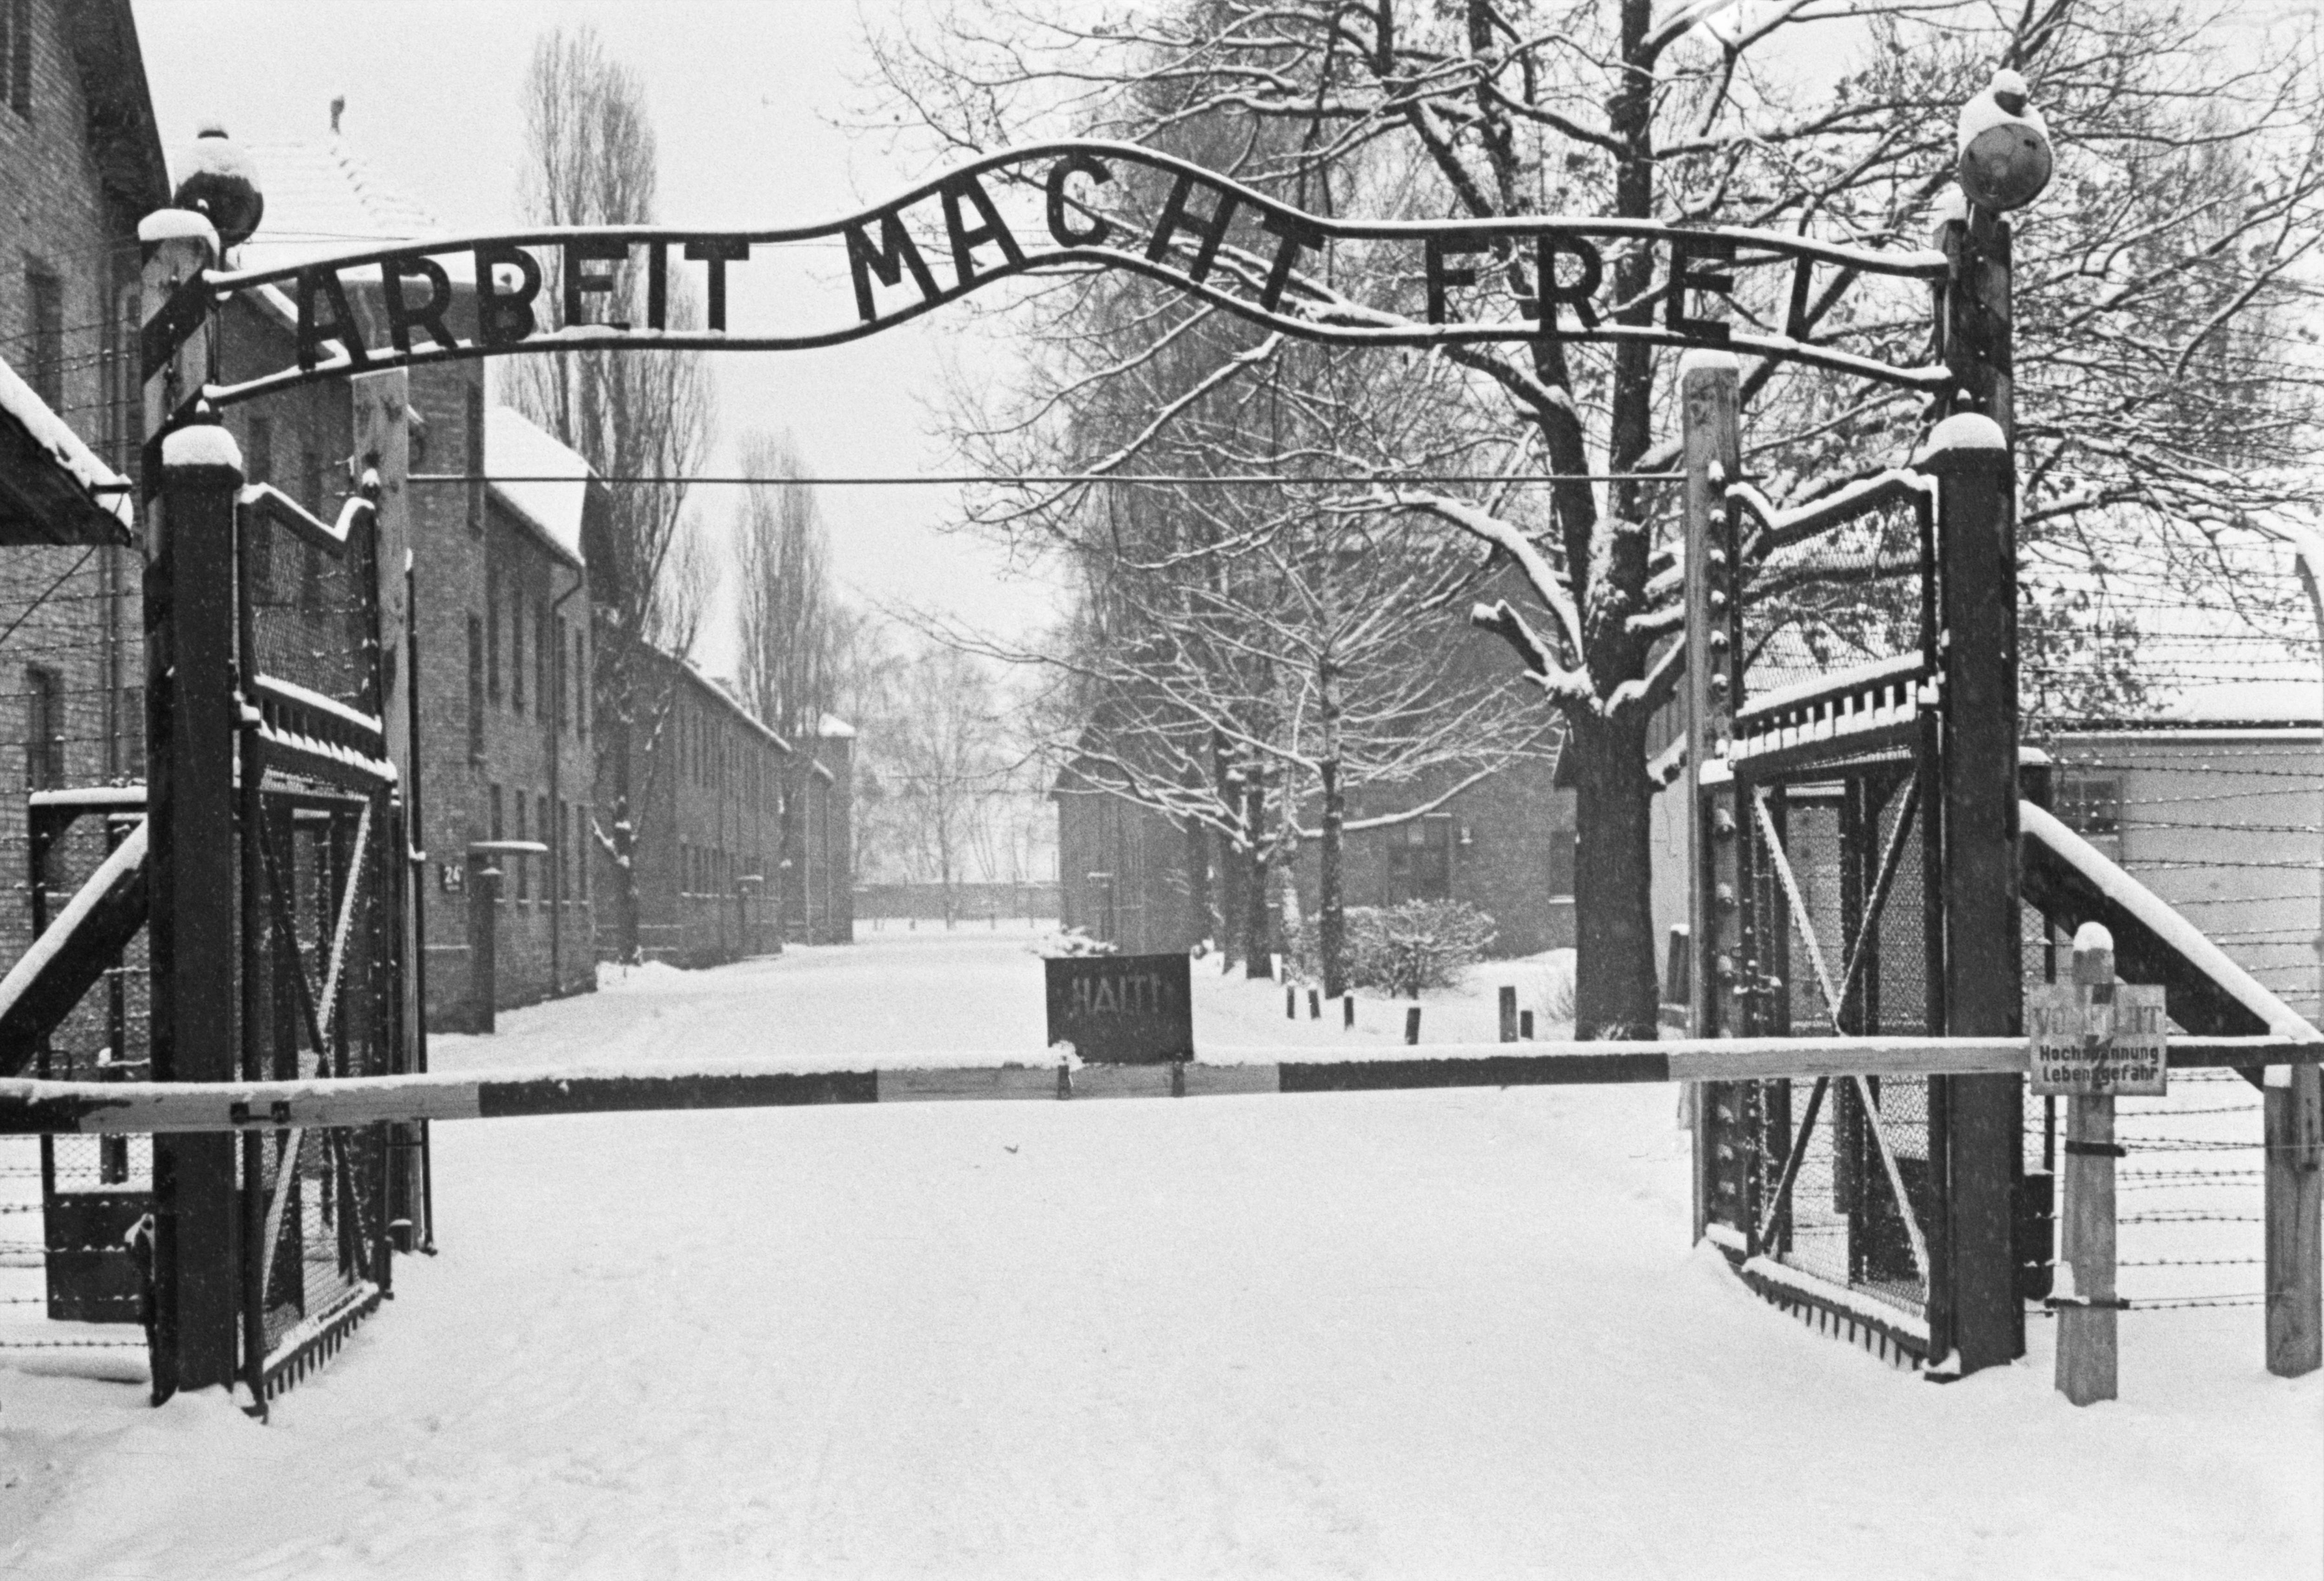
<point>1228,244</point>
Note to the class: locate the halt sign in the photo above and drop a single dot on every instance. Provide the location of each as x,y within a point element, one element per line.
<point>2096,1041</point>
<point>1123,1010</point>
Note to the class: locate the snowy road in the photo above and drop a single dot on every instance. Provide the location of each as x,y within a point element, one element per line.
<point>1390,1335</point>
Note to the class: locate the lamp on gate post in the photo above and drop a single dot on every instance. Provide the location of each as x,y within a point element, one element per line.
<point>221,186</point>
<point>2004,149</point>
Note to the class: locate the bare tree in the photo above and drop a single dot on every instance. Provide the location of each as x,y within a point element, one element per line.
<point>590,160</point>
<point>782,551</point>
<point>942,762</point>
<point>2151,280</point>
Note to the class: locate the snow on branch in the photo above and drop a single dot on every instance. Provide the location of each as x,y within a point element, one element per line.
<point>1782,526</point>
<point>1483,526</point>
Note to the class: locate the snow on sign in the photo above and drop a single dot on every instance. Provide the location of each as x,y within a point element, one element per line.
<point>1123,1010</point>
<point>2113,1045</point>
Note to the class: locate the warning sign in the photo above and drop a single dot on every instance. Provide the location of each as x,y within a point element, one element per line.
<point>2107,1039</point>
<point>1123,1010</point>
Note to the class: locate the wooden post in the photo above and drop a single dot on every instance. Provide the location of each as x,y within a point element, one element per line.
<point>1290,1002</point>
<point>484,942</point>
<point>1709,397</point>
<point>1412,1024</point>
<point>1508,997</point>
<point>1974,1281</point>
<point>1525,1025</point>
<point>1348,1011</point>
<point>2087,1307</point>
<point>1314,1004</point>
<point>2295,1215</point>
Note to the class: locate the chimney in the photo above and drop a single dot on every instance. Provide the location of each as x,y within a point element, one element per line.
<point>338,107</point>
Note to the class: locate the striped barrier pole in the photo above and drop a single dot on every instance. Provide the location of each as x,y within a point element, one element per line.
<point>36,1107</point>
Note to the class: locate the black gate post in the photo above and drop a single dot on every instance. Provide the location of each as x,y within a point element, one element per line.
<point>190,648</point>
<point>1709,386</point>
<point>1974,1287</point>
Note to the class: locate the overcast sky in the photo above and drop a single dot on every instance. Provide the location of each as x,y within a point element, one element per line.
<point>742,94</point>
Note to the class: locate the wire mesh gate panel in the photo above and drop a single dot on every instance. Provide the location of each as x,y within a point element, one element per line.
<point>326,956</point>
<point>1828,1191</point>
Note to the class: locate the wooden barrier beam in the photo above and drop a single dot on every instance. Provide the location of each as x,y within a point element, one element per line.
<point>55,1107</point>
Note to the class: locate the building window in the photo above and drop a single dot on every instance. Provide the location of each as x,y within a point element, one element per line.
<point>16,48</point>
<point>133,712</point>
<point>562,845</point>
<point>547,837</point>
<point>493,632</point>
<point>44,729</point>
<point>557,713</point>
<point>497,825</point>
<point>476,689</point>
<point>520,862</point>
<point>259,464</point>
<point>581,827</point>
<point>310,577</point>
<point>310,479</point>
<point>1562,850</point>
<point>258,543</point>
<point>516,649</point>
<point>44,294</point>
<point>1420,859</point>
<point>475,459</point>
<point>2091,806</point>
<point>541,685</point>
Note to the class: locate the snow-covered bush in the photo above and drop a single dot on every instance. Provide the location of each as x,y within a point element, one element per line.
<point>1401,950</point>
<point>1073,941</point>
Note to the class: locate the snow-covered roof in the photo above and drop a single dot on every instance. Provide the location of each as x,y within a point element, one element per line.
<point>324,198</point>
<point>831,727</point>
<point>515,446</point>
<point>727,692</point>
<point>2282,701</point>
<point>54,440</point>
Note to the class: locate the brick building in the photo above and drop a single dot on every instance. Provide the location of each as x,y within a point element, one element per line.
<point>1503,844</point>
<point>84,163</point>
<point>818,882</point>
<point>500,589</point>
<point>706,783</point>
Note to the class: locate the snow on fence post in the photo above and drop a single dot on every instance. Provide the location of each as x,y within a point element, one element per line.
<point>2087,1304</point>
<point>2295,1134</point>
<point>1709,397</point>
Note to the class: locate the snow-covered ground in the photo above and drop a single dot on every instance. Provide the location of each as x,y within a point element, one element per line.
<point>1379,1335</point>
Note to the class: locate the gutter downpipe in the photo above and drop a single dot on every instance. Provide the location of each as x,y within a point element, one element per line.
<point>558,704</point>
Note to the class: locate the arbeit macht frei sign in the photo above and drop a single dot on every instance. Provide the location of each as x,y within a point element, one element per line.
<point>1057,208</point>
